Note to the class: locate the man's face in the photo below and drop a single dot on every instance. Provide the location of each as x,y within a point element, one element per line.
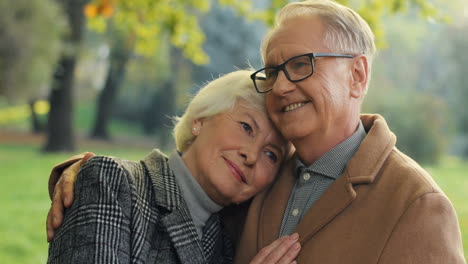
<point>319,105</point>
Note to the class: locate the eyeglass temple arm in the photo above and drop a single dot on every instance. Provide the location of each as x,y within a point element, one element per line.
<point>334,55</point>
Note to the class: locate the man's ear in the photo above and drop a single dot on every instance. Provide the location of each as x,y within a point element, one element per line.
<point>359,76</point>
<point>196,126</point>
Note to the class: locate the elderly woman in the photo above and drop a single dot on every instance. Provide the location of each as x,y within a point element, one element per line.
<point>164,209</point>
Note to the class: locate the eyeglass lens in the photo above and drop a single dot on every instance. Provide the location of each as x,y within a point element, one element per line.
<point>295,69</point>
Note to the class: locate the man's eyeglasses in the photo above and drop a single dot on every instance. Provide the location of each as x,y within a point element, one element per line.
<point>296,69</point>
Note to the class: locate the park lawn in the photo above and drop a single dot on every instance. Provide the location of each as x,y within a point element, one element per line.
<point>24,199</point>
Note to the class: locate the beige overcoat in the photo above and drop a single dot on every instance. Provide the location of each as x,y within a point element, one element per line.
<point>384,209</point>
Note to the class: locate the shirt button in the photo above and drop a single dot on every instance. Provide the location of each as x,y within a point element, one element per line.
<point>306,176</point>
<point>295,212</point>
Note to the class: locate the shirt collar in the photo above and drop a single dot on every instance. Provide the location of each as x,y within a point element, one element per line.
<point>333,163</point>
<point>190,187</point>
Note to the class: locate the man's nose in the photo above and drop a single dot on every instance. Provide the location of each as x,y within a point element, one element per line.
<point>282,85</point>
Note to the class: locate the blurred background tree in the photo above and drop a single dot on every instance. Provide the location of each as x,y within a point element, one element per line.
<point>140,59</point>
<point>60,129</point>
<point>29,39</point>
<point>456,83</point>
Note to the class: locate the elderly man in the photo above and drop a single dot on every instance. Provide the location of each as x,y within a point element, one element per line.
<point>352,196</point>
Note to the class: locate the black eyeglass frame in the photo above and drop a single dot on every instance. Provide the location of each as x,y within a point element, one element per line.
<point>281,67</point>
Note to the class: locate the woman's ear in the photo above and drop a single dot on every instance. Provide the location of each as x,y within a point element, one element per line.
<point>196,126</point>
<point>359,76</point>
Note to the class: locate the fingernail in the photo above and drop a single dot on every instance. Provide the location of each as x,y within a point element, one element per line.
<point>54,220</point>
<point>297,246</point>
<point>66,201</point>
<point>294,236</point>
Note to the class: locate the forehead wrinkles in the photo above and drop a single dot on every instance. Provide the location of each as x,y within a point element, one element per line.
<point>302,28</point>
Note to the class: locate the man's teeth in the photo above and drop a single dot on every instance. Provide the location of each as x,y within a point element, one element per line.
<point>293,106</point>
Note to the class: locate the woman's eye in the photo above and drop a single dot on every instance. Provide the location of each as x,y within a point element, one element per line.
<point>247,127</point>
<point>272,156</point>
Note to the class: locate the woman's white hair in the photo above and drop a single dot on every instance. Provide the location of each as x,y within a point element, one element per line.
<point>347,31</point>
<point>216,97</point>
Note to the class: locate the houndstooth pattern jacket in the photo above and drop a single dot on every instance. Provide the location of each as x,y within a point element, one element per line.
<point>129,212</point>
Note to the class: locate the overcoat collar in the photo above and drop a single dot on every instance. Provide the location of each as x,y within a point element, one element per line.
<point>361,169</point>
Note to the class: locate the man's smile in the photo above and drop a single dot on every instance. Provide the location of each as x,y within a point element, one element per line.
<point>294,106</point>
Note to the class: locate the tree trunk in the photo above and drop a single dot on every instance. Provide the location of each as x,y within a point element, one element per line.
<point>159,108</point>
<point>118,62</point>
<point>60,123</point>
<point>36,125</point>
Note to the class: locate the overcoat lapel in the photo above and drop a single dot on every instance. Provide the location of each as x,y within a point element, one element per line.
<point>183,237</point>
<point>212,240</point>
<point>275,205</point>
<point>338,196</point>
<point>176,220</point>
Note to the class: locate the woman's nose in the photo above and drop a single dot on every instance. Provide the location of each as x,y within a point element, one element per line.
<point>249,154</point>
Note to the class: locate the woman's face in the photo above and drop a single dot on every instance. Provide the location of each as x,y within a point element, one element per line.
<point>235,154</point>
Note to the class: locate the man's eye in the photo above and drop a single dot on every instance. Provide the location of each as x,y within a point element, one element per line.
<point>271,155</point>
<point>247,128</point>
<point>271,74</point>
<point>300,65</point>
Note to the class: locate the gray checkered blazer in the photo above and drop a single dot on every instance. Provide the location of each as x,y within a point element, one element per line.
<point>129,212</point>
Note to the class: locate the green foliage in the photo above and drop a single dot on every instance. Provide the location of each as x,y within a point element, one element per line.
<point>458,79</point>
<point>30,38</point>
<point>419,121</point>
<point>146,22</point>
<point>374,10</point>
<point>371,10</point>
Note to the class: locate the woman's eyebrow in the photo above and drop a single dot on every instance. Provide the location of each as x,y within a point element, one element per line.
<point>253,120</point>
<point>278,148</point>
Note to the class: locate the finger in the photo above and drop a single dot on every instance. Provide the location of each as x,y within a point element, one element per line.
<point>282,250</point>
<point>49,229</point>
<point>290,254</point>
<point>87,156</point>
<point>68,183</point>
<point>56,211</point>
<point>264,252</point>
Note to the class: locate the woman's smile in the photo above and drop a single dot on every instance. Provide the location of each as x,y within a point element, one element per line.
<point>236,172</point>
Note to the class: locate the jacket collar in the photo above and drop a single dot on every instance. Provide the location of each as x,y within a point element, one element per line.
<point>167,192</point>
<point>374,150</point>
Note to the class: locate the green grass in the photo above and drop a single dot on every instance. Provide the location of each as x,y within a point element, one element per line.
<point>24,200</point>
